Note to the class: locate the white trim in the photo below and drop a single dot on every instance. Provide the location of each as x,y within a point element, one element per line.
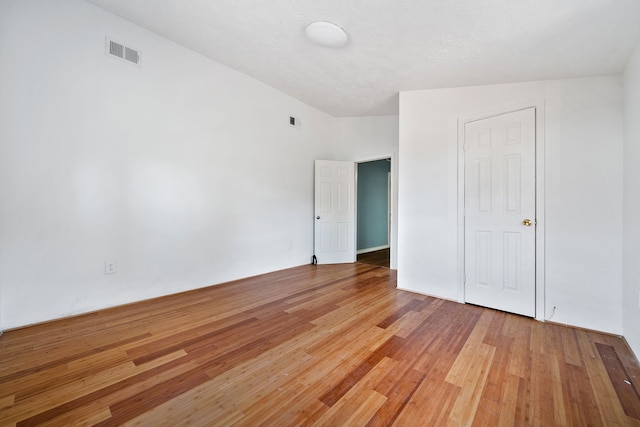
<point>376,158</point>
<point>538,104</point>
<point>389,205</point>
<point>394,205</point>
<point>376,248</point>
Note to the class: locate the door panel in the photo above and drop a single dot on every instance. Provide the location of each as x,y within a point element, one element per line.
<point>334,212</point>
<point>499,195</point>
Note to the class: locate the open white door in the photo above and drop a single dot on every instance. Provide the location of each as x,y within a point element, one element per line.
<point>500,207</point>
<point>334,231</point>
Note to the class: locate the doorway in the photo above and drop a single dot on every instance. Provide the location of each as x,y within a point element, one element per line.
<point>373,206</point>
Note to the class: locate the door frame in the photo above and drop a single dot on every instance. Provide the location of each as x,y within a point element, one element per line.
<point>538,104</point>
<point>392,207</point>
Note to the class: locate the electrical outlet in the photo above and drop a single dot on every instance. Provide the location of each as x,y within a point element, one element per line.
<point>109,267</point>
<point>289,244</point>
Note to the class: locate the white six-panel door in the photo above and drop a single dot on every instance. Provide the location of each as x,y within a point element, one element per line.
<point>334,231</point>
<point>499,223</point>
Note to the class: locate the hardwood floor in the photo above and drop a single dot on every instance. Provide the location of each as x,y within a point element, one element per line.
<point>380,258</point>
<point>314,345</point>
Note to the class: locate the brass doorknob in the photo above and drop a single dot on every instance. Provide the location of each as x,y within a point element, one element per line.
<point>526,223</point>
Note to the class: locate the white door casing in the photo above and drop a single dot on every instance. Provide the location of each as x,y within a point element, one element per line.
<point>389,208</point>
<point>334,230</point>
<point>499,195</point>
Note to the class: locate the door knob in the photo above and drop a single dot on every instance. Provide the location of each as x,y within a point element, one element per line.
<point>526,223</point>
<point>318,217</point>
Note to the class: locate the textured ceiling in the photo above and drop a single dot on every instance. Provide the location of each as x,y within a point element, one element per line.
<point>396,45</point>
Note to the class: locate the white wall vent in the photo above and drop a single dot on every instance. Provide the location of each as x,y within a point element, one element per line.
<point>119,50</point>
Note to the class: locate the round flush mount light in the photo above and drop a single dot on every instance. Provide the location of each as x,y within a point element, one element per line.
<point>326,34</point>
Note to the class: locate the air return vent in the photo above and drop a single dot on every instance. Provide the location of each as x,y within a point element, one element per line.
<point>119,50</point>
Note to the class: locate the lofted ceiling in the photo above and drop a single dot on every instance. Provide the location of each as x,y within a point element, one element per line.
<point>396,45</point>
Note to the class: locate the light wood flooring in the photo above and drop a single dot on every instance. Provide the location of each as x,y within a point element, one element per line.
<point>314,345</point>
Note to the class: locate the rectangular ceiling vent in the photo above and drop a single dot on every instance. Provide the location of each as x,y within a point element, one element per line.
<point>119,50</point>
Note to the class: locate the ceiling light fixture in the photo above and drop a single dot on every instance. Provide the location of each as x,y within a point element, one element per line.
<point>326,34</point>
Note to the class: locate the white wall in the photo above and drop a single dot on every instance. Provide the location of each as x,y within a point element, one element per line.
<point>183,172</point>
<point>583,192</point>
<point>631,263</point>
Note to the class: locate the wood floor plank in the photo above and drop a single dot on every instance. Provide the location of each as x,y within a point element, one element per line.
<point>610,409</point>
<point>352,378</point>
<point>509,401</point>
<point>519,362</point>
<point>89,415</point>
<point>367,409</point>
<point>471,384</point>
<point>621,380</point>
<point>359,395</point>
<point>497,374</point>
<point>570,347</point>
<point>430,404</point>
<point>404,326</point>
<point>413,305</point>
<point>313,345</point>
<point>559,390</point>
<point>397,398</point>
<point>536,402</point>
<point>69,358</point>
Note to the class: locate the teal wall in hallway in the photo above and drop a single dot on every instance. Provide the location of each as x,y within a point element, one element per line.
<point>373,204</point>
